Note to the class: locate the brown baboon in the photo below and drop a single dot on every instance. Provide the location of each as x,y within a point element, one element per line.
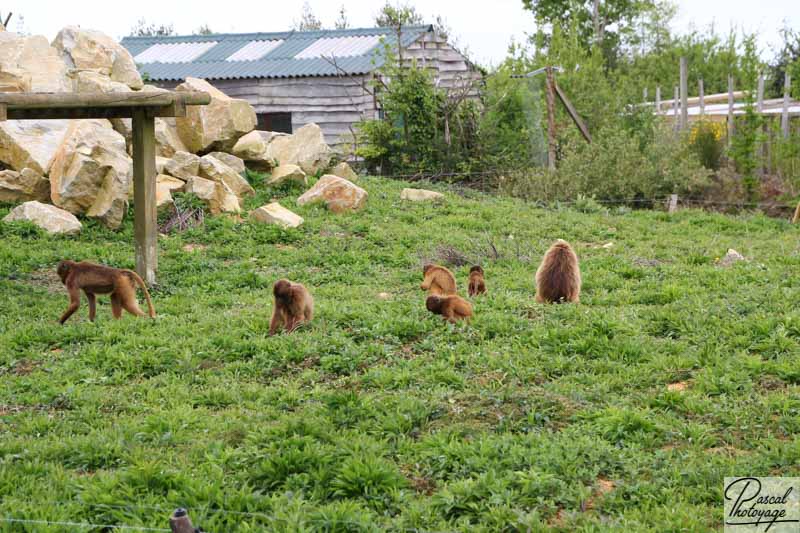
<point>452,308</point>
<point>558,278</point>
<point>293,306</point>
<point>95,279</point>
<point>437,280</point>
<point>477,284</point>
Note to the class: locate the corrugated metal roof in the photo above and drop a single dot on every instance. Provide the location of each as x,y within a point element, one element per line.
<point>265,55</point>
<point>254,50</point>
<point>173,52</point>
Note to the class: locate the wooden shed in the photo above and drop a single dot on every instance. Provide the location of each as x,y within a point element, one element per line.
<point>297,77</point>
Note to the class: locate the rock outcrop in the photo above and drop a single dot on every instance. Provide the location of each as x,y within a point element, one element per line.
<point>23,186</point>
<point>305,148</point>
<point>275,213</point>
<point>218,197</point>
<point>31,143</point>
<point>420,195</point>
<point>183,165</point>
<point>217,126</point>
<point>215,170</point>
<point>343,170</point>
<point>231,160</point>
<point>94,50</point>
<point>91,172</point>
<point>29,63</point>
<point>48,217</point>
<point>338,194</point>
<point>283,173</point>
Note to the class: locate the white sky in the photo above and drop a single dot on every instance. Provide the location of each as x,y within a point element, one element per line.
<point>485,30</point>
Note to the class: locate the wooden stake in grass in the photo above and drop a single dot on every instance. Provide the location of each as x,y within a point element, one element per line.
<point>673,203</point>
<point>796,216</point>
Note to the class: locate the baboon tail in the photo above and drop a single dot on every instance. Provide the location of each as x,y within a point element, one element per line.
<point>141,283</point>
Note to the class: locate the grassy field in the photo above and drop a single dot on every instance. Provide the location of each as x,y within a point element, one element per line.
<point>623,412</point>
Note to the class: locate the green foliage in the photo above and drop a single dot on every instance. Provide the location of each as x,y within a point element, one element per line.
<point>144,29</point>
<point>378,416</point>
<point>707,142</point>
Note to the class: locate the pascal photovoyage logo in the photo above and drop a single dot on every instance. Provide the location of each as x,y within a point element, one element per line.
<point>761,504</point>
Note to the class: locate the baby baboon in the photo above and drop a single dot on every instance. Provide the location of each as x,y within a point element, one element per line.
<point>95,279</point>
<point>452,308</point>
<point>559,276</point>
<point>438,280</point>
<point>477,285</point>
<point>293,306</point>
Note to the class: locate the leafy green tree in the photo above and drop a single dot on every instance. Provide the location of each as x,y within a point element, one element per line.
<point>143,29</point>
<point>391,16</point>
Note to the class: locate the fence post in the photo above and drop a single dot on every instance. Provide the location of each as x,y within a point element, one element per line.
<point>658,100</point>
<point>179,522</point>
<point>702,97</point>
<point>760,109</point>
<point>677,96</point>
<point>787,86</point>
<point>551,121</point>
<point>796,216</point>
<point>684,96</point>
<point>673,203</point>
<point>730,108</point>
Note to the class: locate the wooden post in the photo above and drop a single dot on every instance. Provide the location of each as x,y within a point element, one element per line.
<point>673,203</point>
<point>787,86</point>
<point>730,108</point>
<point>551,121</point>
<point>760,110</point>
<point>796,216</point>
<point>658,100</point>
<point>179,522</point>
<point>144,195</point>
<point>702,97</point>
<point>644,94</point>
<point>572,113</point>
<point>684,96</point>
<point>675,100</point>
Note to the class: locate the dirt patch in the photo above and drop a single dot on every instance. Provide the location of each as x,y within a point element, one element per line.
<point>678,386</point>
<point>25,367</point>
<point>770,383</point>
<point>46,279</point>
<point>642,262</point>
<point>191,247</point>
<point>602,487</point>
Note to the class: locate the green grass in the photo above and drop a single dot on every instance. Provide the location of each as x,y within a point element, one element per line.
<point>381,416</point>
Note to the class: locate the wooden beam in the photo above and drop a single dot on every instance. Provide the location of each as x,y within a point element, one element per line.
<point>3,113</point>
<point>144,195</point>
<point>572,113</point>
<point>112,99</point>
<point>684,90</point>
<point>89,112</point>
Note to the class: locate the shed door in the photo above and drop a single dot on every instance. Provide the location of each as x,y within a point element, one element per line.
<point>281,122</point>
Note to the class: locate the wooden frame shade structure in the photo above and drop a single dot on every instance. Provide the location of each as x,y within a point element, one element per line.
<point>552,91</point>
<point>143,108</point>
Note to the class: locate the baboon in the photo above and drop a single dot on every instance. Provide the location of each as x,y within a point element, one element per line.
<point>558,278</point>
<point>477,285</point>
<point>293,306</point>
<point>94,279</point>
<point>453,308</point>
<point>437,280</point>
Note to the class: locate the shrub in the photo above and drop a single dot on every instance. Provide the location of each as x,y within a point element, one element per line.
<point>705,140</point>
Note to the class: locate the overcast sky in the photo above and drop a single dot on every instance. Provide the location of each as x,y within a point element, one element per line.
<point>484,30</point>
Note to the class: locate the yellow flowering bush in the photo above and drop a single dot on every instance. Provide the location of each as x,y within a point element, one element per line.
<point>706,140</point>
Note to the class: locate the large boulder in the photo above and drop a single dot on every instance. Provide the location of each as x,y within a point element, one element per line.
<point>283,173</point>
<point>217,126</point>
<point>31,143</point>
<point>343,170</point>
<point>183,165</point>
<point>218,197</point>
<point>91,81</point>
<point>48,217</point>
<point>168,142</point>
<point>215,170</point>
<point>232,161</point>
<point>420,195</point>
<point>305,148</point>
<point>275,213</point>
<point>251,147</point>
<point>338,194</point>
<point>165,186</point>
<point>91,172</point>
<point>91,49</point>
<point>23,186</point>
<point>29,63</point>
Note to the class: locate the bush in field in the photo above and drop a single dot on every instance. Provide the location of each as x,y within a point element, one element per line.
<point>705,140</point>
<point>617,165</point>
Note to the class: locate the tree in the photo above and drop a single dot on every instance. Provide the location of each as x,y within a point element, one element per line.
<point>204,29</point>
<point>787,60</point>
<point>342,23</point>
<point>392,16</point>
<point>308,20</point>
<point>143,29</point>
<point>606,24</point>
